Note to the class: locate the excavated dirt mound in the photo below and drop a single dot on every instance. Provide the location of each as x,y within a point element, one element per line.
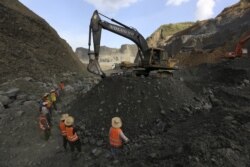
<point>140,102</point>
<point>198,118</point>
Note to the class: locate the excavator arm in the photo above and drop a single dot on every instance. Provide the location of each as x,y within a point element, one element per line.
<point>238,49</point>
<point>95,30</point>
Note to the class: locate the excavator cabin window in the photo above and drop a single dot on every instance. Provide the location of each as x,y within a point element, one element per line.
<point>156,57</point>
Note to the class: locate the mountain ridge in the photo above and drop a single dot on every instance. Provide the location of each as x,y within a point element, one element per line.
<point>29,47</point>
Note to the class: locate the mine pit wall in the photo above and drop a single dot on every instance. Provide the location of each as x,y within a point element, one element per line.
<point>215,36</point>
<point>110,56</point>
<point>29,47</point>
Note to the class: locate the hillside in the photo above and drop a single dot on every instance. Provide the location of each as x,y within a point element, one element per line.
<point>164,32</point>
<point>209,40</point>
<point>29,47</point>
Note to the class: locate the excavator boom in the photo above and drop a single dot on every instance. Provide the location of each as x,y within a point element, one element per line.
<point>95,29</point>
<point>145,54</point>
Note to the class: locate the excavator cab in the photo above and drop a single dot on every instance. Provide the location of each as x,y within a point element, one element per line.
<point>156,56</point>
<point>153,56</point>
<point>160,59</point>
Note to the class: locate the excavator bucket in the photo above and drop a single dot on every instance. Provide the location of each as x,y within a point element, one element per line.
<point>94,67</point>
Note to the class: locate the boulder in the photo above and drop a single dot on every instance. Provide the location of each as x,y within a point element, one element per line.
<point>99,143</point>
<point>15,103</point>
<point>29,79</point>
<point>32,97</point>
<point>96,152</point>
<point>69,88</point>
<point>1,106</point>
<point>21,97</point>
<point>29,103</point>
<point>5,100</point>
<point>12,92</point>
<point>247,126</point>
<point>207,106</point>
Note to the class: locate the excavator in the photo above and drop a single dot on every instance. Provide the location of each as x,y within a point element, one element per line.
<point>147,59</point>
<point>239,50</point>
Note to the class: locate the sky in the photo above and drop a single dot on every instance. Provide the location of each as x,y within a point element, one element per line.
<point>71,18</point>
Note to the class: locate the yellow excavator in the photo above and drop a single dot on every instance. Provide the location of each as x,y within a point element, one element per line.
<point>147,59</point>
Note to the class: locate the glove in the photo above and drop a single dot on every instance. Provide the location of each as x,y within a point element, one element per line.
<point>127,141</point>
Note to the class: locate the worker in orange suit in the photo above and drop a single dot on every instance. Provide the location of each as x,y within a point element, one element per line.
<point>72,137</point>
<point>44,125</point>
<point>116,136</point>
<point>63,130</point>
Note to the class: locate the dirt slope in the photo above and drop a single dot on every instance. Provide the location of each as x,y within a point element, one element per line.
<point>164,32</point>
<point>30,47</point>
<point>198,118</point>
<point>209,40</point>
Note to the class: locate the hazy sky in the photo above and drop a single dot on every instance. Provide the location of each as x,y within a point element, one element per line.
<point>70,18</point>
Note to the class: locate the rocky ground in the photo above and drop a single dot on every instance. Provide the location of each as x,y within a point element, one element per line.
<point>198,117</point>
<point>21,141</point>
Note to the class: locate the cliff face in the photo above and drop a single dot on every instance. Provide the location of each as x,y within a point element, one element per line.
<point>164,32</point>
<point>208,40</point>
<point>111,55</point>
<point>30,47</point>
